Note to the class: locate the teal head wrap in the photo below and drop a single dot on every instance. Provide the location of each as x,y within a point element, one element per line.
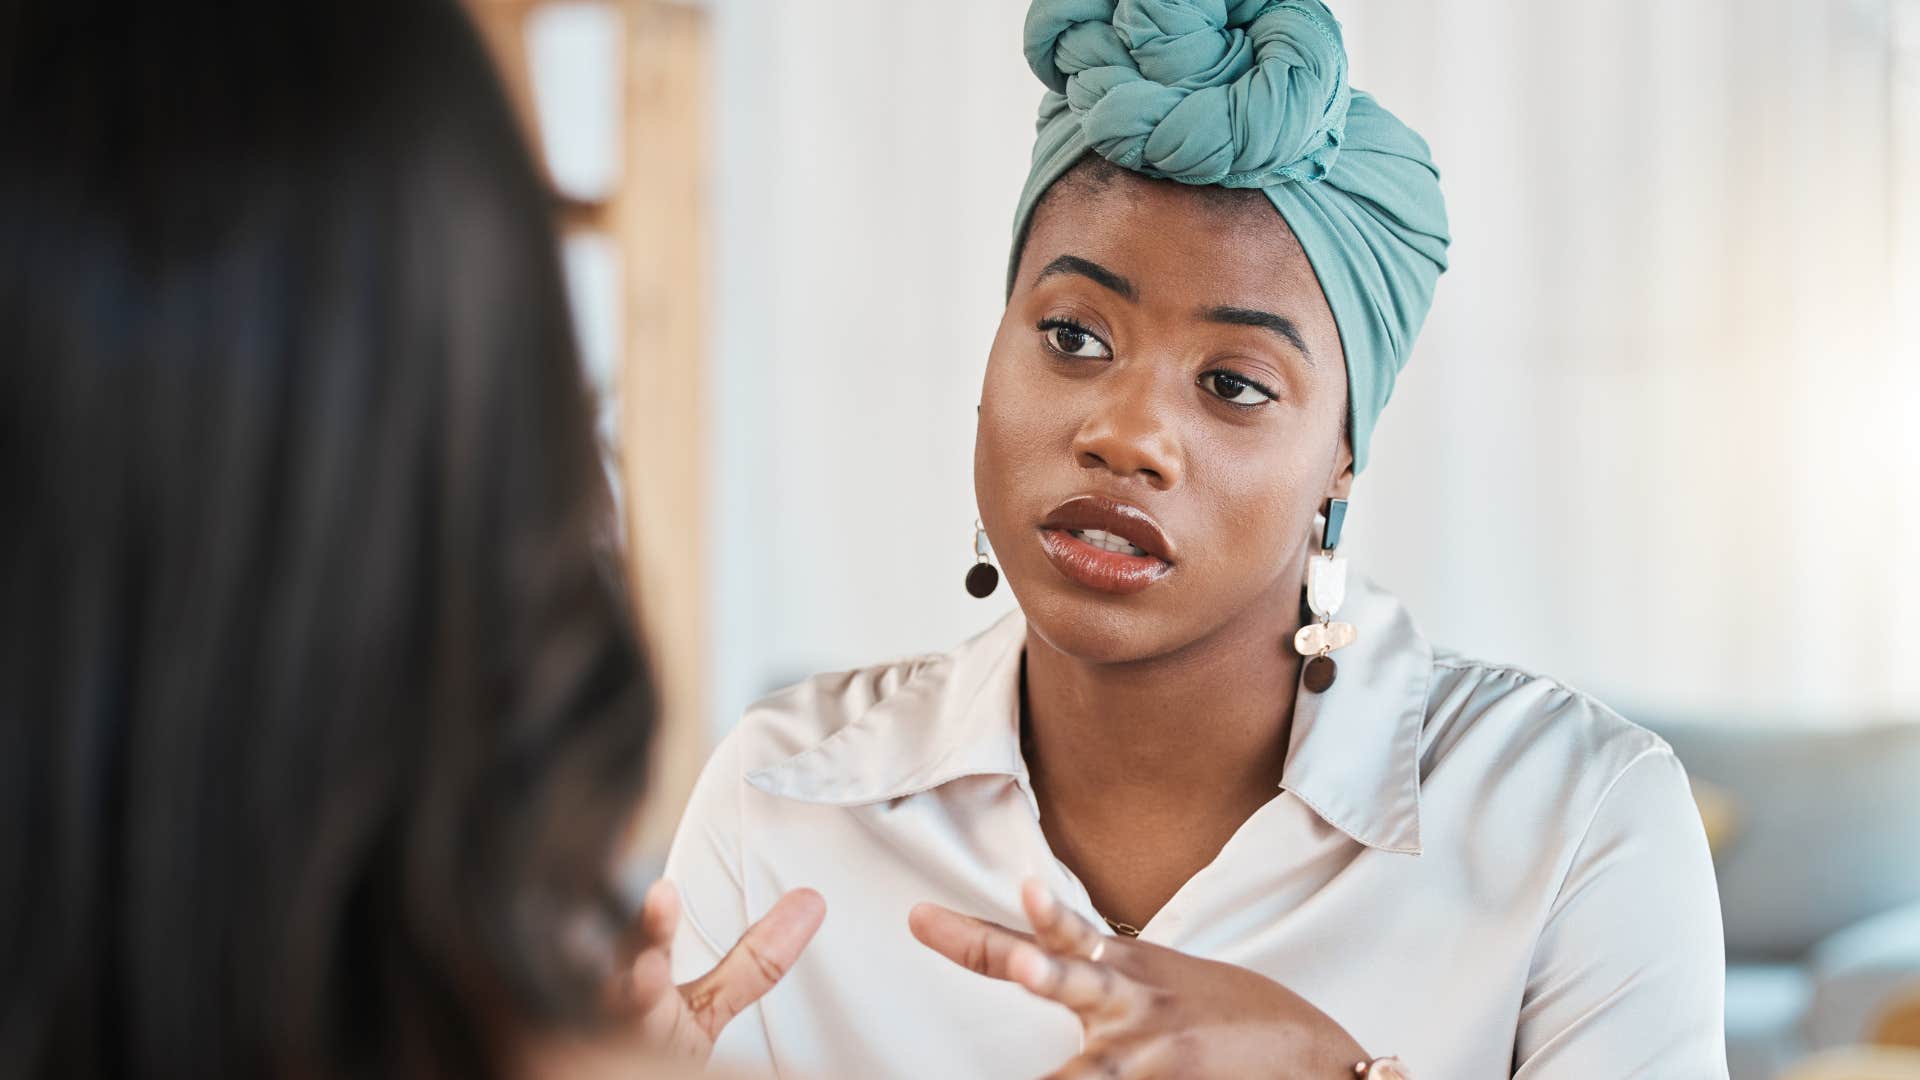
<point>1253,93</point>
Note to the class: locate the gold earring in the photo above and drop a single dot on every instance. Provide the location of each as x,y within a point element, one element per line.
<point>1326,591</point>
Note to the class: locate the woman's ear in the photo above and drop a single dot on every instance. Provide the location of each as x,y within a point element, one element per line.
<point>1340,483</point>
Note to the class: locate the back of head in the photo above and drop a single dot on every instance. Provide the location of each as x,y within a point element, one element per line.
<point>320,707</point>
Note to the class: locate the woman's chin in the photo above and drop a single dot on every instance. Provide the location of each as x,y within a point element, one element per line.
<point>1099,629</point>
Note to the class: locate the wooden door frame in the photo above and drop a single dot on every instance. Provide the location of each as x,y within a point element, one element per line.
<point>657,217</point>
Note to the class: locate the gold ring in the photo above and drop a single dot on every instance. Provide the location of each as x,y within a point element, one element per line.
<point>1099,950</point>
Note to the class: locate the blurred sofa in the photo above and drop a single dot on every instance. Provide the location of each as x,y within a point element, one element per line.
<point>1819,868</point>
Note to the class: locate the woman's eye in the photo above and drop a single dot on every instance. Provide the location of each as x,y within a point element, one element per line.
<point>1073,340</point>
<point>1235,390</point>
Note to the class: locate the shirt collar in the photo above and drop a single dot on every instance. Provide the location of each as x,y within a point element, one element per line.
<point>957,714</point>
<point>1355,751</point>
<point>1354,757</point>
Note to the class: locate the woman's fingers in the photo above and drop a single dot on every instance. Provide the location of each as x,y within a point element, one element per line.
<point>663,1024</point>
<point>666,1027</point>
<point>650,972</point>
<point>660,915</point>
<point>758,961</point>
<point>1060,930</point>
<point>682,1022</point>
<point>975,944</point>
<point>1092,989</point>
<point>1066,975</point>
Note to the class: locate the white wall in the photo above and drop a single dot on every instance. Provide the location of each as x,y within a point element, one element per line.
<point>1654,436</point>
<point>1658,438</point>
<point>870,155</point>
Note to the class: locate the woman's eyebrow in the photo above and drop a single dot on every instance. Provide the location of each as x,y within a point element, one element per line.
<point>1265,320</point>
<point>1093,271</point>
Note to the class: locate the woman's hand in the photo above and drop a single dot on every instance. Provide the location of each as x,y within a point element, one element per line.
<point>1148,1011</point>
<point>681,1023</point>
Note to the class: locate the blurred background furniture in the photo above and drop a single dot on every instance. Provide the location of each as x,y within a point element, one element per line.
<point>1819,865</point>
<point>1859,1063</point>
<point>1899,1023</point>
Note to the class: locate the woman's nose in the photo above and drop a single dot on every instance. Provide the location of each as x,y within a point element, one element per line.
<point>1129,435</point>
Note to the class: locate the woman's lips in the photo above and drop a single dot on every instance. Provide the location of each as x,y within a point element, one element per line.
<point>1117,523</point>
<point>1097,568</point>
<point>1106,545</point>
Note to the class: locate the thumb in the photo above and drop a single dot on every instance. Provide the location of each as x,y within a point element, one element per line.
<point>758,961</point>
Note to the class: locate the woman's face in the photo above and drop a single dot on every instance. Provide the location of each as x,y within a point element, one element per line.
<point>1168,374</point>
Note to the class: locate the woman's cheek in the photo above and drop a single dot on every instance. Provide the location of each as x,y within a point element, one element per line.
<point>999,454</point>
<point>1014,417</point>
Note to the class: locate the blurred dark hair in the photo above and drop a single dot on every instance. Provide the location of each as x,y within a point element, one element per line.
<point>322,712</point>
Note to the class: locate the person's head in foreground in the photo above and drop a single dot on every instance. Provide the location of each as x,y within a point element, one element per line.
<point>322,716</point>
<point>1267,828</point>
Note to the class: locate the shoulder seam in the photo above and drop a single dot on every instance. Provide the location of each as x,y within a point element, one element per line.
<point>908,665</point>
<point>1586,830</point>
<point>1463,664</point>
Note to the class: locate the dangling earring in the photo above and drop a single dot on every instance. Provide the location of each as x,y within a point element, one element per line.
<point>982,578</point>
<point>1326,591</point>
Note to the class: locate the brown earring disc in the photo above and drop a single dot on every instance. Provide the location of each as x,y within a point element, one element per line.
<point>1320,674</point>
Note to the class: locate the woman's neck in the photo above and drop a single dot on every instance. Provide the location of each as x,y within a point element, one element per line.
<point>1143,771</point>
<point>1210,722</point>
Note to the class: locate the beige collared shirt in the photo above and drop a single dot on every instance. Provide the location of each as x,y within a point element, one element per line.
<point>1469,866</point>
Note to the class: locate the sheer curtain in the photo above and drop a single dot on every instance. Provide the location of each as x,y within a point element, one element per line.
<point>1659,438</point>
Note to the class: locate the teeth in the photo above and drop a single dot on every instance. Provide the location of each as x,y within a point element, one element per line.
<point>1106,541</point>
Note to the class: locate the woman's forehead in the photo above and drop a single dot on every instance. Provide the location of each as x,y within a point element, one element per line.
<point>1166,237</point>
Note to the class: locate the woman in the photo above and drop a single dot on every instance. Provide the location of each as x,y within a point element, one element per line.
<point>322,717</point>
<point>1262,837</point>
